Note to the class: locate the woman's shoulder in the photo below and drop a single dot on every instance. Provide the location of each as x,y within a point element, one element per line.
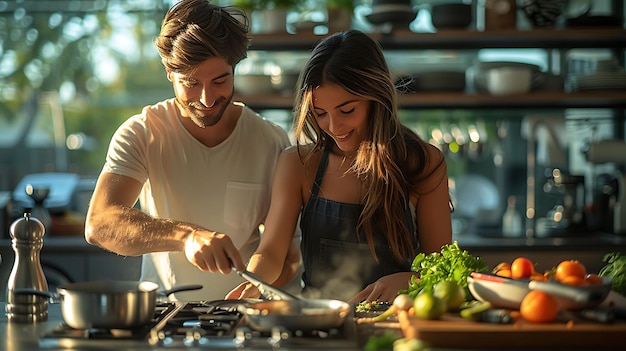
<point>300,150</point>
<point>302,154</point>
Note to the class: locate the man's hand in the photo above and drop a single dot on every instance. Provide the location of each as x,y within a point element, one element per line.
<point>213,252</point>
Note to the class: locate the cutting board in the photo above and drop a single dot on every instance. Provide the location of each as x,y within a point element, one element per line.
<point>455,332</point>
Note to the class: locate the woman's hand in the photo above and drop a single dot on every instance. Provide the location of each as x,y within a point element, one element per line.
<point>244,291</point>
<point>385,288</point>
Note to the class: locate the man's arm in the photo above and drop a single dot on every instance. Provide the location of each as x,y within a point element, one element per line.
<point>113,224</point>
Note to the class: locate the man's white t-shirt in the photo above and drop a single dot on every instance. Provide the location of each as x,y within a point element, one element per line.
<point>225,188</point>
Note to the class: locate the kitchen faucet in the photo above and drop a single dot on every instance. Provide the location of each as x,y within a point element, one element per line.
<point>552,153</point>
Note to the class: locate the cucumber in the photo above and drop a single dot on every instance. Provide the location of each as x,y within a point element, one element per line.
<point>475,310</point>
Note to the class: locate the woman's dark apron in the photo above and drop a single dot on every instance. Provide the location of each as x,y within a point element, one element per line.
<point>336,263</point>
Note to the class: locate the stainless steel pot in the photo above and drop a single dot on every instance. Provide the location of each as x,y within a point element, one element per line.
<point>107,304</point>
<point>308,314</point>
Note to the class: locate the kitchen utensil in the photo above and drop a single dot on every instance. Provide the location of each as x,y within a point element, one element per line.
<point>107,304</point>
<point>289,311</point>
<point>509,293</point>
<point>270,292</point>
<point>27,240</point>
<point>307,314</point>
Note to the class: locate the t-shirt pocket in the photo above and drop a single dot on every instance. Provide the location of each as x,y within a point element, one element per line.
<point>245,205</point>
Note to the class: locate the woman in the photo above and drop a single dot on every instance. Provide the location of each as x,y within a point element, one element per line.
<point>371,192</point>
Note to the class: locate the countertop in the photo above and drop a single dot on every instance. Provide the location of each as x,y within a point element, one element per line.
<point>25,336</point>
<point>466,240</point>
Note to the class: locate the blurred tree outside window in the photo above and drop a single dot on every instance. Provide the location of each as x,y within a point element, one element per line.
<point>70,72</point>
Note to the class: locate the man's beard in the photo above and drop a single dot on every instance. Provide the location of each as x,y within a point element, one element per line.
<point>195,110</point>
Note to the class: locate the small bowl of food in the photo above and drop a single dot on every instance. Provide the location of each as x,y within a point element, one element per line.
<point>508,293</point>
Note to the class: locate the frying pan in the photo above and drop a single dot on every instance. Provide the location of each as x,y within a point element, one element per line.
<point>304,314</point>
<point>291,312</point>
<point>107,304</point>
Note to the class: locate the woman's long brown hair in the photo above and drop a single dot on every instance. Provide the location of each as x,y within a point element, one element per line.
<point>393,158</point>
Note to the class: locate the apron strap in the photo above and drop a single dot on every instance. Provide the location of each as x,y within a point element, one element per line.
<point>320,172</point>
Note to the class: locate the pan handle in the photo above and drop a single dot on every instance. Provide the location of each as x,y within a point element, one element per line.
<point>270,292</point>
<point>267,290</point>
<point>180,288</point>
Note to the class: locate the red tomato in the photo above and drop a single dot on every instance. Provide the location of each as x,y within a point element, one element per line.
<point>592,278</point>
<point>522,268</point>
<point>570,268</point>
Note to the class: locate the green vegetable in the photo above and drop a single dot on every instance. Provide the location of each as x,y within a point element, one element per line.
<point>410,345</point>
<point>474,311</point>
<point>383,341</point>
<point>451,263</point>
<point>616,270</point>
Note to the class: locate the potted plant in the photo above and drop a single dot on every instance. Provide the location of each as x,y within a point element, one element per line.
<point>248,7</point>
<point>339,14</point>
<point>273,14</point>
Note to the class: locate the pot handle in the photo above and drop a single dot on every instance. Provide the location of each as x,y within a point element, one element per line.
<point>52,297</point>
<point>180,288</point>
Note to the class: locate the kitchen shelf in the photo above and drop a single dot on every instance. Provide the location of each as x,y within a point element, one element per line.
<point>611,38</point>
<point>588,99</point>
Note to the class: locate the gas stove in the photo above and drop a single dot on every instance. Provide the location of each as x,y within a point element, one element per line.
<point>203,324</point>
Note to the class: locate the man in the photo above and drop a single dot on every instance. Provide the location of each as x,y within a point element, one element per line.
<point>200,164</point>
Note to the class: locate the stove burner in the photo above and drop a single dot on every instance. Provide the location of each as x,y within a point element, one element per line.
<point>212,324</point>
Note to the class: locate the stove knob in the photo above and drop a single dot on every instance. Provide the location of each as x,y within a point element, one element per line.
<point>242,336</point>
<point>194,336</point>
<point>158,338</point>
<point>277,335</point>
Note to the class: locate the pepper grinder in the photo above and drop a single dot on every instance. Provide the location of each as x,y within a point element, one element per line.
<point>27,240</point>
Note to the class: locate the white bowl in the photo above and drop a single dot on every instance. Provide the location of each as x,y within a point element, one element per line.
<point>254,84</point>
<point>509,80</point>
<point>508,293</point>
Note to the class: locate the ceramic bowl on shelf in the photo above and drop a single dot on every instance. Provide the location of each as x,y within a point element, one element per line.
<point>508,293</point>
<point>509,80</point>
<point>451,15</point>
<point>478,73</point>
<point>397,13</point>
<point>253,84</point>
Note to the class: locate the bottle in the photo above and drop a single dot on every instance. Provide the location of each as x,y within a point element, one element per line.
<point>27,240</point>
<point>511,220</point>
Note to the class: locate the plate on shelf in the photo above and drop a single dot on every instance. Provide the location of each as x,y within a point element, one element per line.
<point>598,81</point>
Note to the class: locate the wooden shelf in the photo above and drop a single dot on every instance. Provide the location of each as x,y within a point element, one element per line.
<point>588,99</point>
<point>609,38</point>
<point>612,38</point>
